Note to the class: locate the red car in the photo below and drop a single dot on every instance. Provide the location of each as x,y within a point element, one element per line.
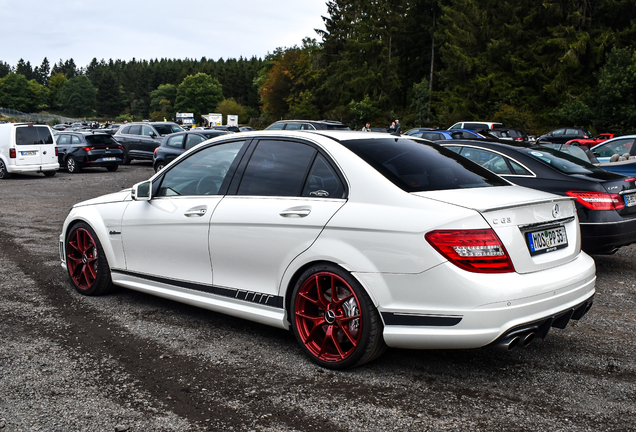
<point>591,142</point>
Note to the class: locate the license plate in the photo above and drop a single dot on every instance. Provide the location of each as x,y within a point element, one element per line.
<point>29,153</point>
<point>546,240</point>
<point>109,159</point>
<point>630,200</point>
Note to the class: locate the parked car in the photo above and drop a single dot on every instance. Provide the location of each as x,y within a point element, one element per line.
<point>513,134</point>
<point>626,167</point>
<point>437,135</point>
<point>27,148</point>
<point>563,135</point>
<point>476,125</point>
<point>307,125</point>
<point>246,129</point>
<point>605,201</point>
<point>60,127</point>
<point>616,148</point>
<point>78,150</point>
<point>591,142</point>
<point>111,128</point>
<point>226,128</point>
<point>354,240</point>
<point>174,145</point>
<point>416,130</point>
<point>142,138</point>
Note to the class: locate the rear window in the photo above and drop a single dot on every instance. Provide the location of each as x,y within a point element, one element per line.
<point>416,166</point>
<point>100,140</point>
<point>33,135</point>
<point>565,163</point>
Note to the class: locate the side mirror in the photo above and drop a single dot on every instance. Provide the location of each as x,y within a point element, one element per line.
<point>142,191</point>
<point>153,135</point>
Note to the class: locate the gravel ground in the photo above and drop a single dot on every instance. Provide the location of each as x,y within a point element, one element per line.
<point>133,362</point>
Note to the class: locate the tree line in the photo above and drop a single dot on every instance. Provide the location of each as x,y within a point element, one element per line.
<point>531,65</point>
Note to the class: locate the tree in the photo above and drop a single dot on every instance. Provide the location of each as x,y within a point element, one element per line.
<point>25,69</point>
<point>109,95</point>
<point>5,69</point>
<point>16,93</point>
<point>231,107</point>
<point>77,96</point>
<point>42,72</point>
<point>56,81</point>
<point>198,94</point>
<point>162,101</point>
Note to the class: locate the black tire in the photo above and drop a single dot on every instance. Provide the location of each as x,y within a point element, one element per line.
<point>71,165</point>
<point>86,263</point>
<point>340,332</point>
<point>159,166</point>
<point>127,160</point>
<point>49,173</point>
<point>575,143</point>
<point>112,168</point>
<point>4,173</point>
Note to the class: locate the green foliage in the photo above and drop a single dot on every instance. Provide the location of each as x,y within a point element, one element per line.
<point>17,93</point>
<point>364,111</point>
<point>421,102</point>
<point>123,118</point>
<point>198,94</point>
<point>231,107</point>
<point>77,96</point>
<point>56,81</point>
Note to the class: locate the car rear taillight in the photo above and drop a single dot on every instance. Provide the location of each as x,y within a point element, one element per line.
<point>12,153</point>
<point>56,152</point>
<point>477,251</point>
<point>88,148</point>
<point>597,200</point>
<point>155,152</point>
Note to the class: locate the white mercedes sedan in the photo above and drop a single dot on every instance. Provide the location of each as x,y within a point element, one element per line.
<point>354,241</point>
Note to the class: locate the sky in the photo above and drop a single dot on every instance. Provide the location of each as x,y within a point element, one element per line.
<point>145,30</point>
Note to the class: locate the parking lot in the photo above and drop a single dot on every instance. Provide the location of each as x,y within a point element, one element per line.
<point>133,362</point>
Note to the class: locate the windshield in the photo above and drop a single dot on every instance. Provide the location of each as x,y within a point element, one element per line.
<point>417,166</point>
<point>167,129</point>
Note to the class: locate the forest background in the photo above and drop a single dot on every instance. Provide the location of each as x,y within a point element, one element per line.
<point>529,64</point>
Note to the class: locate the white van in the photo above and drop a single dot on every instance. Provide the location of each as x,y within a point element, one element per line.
<point>476,125</point>
<point>27,147</point>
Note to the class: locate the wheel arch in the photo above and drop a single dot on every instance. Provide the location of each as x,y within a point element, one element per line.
<point>100,231</point>
<point>291,277</point>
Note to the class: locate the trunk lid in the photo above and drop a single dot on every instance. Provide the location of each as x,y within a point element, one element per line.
<point>539,230</point>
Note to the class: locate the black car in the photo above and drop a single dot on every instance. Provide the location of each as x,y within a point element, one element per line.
<point>175,144</point>
<point>307,125</point>
<point>563,135</point>
<point>605,201</point>
<point>141,139</point>
<point>77,150</point>
<point>111,128</point>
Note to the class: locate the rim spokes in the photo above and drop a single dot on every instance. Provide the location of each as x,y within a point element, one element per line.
<point>328,319</point>
<point>81,254</point>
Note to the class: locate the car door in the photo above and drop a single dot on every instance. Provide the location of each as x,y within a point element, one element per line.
<point>173,147</point>
<point>286,195</point>
<point>167,236</point>
<point>63,142</point>
<point>149,140</point>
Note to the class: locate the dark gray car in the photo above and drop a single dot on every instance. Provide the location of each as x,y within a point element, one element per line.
<point>141,139</point>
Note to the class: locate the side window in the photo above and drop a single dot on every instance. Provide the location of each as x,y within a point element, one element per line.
<point>147,131</point>
<point>135,130</point>
<point>126,130</point>
<point>75,140</point>
<point>558,132</point>
<point>293,126</point>
<point>176,141</point>
<point>202,173</point>
<point>492,161</point>
<point>573,132</point>
<point>307,126</point>
<point>276,168</point>
<point>518,169</point>
<point>322,182</point>
<point>193,140</point>
<point>277,126</point>
<point>63,139</point>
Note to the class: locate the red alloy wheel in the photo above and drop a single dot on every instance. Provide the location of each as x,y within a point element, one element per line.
<point>328,317</point>
<point>81,258</point>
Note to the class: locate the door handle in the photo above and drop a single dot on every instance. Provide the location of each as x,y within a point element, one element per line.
<point>196,212</point>
<point>295,212</point>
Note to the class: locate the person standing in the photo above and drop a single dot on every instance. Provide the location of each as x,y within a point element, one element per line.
<point>398,127</point>
<point>391,128</point>
<point>367,127</point>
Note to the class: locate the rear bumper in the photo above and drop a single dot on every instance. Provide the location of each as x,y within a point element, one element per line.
<point>487,310</point>
<point>607,237</point>
<point>32,168</point>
